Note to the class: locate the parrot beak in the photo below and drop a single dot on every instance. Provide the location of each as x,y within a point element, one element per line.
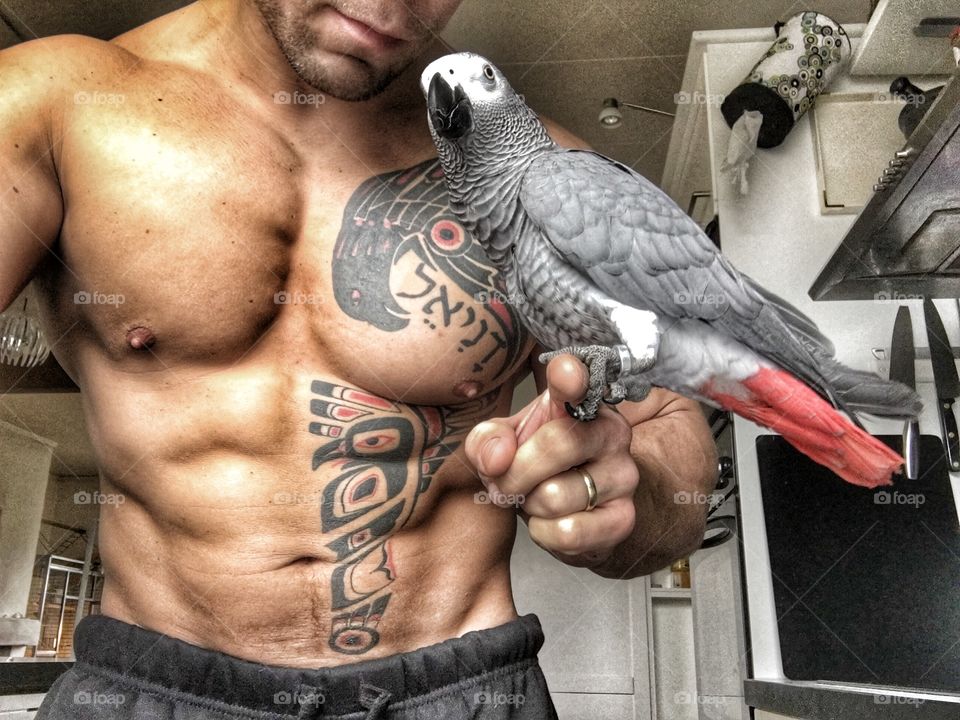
<point>450,110</point>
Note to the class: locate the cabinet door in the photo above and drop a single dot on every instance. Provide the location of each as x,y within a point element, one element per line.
<point>595,657</point>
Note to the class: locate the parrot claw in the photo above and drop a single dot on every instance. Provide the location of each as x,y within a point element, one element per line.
<point>617,393</point>
<point>605,365</point>
<point>580,412</point>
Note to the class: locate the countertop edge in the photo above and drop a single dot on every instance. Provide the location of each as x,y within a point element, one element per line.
<point>822,701</point>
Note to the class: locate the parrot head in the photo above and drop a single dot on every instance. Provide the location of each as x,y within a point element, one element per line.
<point>476,118</point>
<point>486,136</point>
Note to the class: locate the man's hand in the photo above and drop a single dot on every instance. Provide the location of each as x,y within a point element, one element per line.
<point>532,458</point>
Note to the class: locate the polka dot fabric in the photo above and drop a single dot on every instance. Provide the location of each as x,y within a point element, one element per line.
<point>808,53</point>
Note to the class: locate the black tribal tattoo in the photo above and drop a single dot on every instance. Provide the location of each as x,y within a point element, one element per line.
<point>405,215</point>
<point>380,457</point>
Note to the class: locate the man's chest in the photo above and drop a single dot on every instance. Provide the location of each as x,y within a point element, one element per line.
<point>221,249</point>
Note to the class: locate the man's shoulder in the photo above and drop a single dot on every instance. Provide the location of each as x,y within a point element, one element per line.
<point>173,38</point>
<point>562,136</point>
<point>60,62</point>
<point>66,62</point>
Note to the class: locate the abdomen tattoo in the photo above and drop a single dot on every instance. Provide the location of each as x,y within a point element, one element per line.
<point>380,457</point>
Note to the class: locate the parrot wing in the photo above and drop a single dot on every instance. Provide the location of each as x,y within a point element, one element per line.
<point>637,246</point>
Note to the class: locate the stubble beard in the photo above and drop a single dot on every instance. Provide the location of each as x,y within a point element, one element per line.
<point>344,77</point>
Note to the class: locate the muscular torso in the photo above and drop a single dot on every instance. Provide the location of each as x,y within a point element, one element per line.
<point>281,346</point>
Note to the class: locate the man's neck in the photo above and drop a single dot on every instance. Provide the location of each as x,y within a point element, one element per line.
<point>257,61</point>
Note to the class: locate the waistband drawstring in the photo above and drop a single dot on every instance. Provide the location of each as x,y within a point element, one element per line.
<point>374,699</point>
<point>310,700</point>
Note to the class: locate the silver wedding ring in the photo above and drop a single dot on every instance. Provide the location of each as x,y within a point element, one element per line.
<point>592,494</point>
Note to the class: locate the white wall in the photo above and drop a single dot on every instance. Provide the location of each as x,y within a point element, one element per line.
<point>24,471</point>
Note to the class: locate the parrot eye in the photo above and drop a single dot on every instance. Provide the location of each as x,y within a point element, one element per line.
<point>488,72</point>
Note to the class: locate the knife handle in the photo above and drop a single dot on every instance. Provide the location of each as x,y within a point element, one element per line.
<point>911,449</point>
<point>948,423</point>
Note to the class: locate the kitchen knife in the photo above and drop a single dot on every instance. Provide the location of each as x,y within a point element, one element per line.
<point>902,370</point>
<point>945,381</point>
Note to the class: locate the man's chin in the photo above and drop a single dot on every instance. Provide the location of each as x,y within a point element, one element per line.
<point>345,77</point>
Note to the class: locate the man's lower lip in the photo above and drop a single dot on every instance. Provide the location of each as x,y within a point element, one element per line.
<point>363,33</point>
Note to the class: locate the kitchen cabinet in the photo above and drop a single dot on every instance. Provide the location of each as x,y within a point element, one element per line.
<point>615,649</point>
<point>779,235</point>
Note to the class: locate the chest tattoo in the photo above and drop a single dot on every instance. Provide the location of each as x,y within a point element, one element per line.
<point>402,257</point>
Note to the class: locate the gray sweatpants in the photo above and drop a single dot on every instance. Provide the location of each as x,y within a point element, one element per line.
<point>125,672</point>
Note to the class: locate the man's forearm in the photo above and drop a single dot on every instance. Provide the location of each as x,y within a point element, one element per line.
<point>677,459</point>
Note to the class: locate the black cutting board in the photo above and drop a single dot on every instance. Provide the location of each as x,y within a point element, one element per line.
<point>866,591</point>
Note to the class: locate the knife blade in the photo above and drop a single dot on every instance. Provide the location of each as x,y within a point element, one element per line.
<point>945,380</point>
<point>902,369</point>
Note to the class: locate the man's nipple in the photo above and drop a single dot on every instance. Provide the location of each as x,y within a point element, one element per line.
<point>467,389</point>
<point>140,338</point>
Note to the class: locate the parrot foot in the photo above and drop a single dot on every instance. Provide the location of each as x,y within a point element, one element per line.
<point>605,365</point>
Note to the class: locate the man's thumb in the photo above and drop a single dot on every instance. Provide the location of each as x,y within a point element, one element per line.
<point>490,446</point>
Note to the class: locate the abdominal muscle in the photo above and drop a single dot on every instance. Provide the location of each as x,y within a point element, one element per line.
<point>292,537</point>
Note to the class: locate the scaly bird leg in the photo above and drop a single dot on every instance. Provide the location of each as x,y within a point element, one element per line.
<point>605,365</point>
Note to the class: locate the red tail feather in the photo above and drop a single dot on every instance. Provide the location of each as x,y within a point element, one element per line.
<point>779,401</point>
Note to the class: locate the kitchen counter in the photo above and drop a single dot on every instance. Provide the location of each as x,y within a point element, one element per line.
<point>836,701</point>
<point>778,235</point>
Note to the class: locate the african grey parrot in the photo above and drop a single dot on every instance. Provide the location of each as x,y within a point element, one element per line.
<point>599,262</point>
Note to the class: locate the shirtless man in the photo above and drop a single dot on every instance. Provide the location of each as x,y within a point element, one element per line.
<point>309,369</point>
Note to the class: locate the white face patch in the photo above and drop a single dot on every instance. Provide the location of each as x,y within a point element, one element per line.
<point>468,70</point>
